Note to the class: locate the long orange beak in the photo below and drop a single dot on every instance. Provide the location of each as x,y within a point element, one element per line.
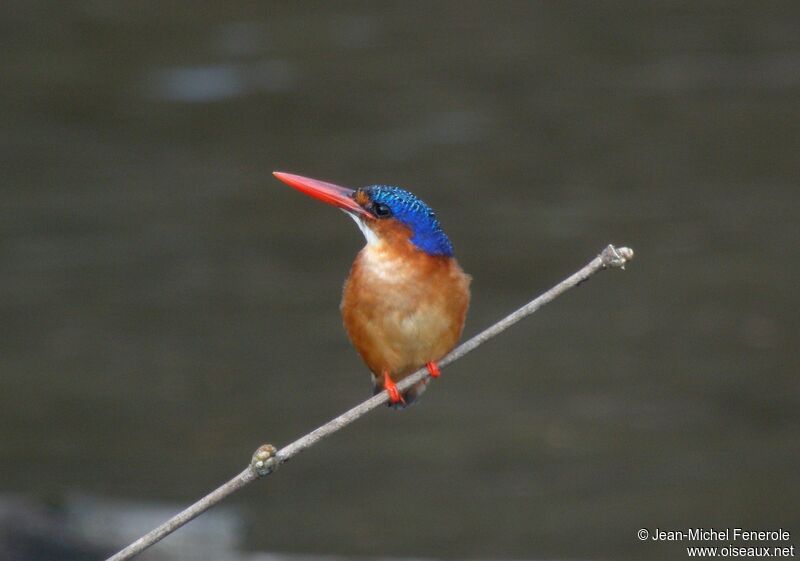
<point>335,195</point>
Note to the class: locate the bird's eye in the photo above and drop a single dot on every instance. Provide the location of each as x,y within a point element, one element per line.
<point>381,210</point>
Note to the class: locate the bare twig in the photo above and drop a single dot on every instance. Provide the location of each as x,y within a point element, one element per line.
<point>267,459</point>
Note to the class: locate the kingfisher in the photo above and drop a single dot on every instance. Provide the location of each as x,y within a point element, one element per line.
<point>405,300</point>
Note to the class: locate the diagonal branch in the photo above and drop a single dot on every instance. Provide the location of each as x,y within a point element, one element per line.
<point>267,459</point>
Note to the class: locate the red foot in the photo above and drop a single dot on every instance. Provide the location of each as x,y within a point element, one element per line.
<point>433,369</point>
<point>391,389</point>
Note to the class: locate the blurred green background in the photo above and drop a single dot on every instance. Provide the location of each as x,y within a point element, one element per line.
<point>167,306</point>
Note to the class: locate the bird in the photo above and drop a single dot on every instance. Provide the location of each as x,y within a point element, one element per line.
<point>405,300</point>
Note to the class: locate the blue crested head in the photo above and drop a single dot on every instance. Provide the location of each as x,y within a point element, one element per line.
<point>378,209</point>
<point>392,202</point>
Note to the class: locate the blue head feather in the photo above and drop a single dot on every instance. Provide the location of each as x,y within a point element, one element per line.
<point>410,210</point>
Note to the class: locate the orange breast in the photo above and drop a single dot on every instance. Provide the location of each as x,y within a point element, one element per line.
<point>403,308</point>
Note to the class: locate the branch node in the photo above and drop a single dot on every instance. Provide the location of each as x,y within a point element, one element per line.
<point>616,257</point>
<point>264,462</point>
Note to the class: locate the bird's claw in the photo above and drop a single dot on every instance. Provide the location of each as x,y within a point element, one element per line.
<point>391,389</point>
<point>433,369</point>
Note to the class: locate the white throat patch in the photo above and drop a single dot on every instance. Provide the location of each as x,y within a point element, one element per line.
<point>369,235</point>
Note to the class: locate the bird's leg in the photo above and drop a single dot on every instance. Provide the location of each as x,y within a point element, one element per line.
<point>391,389</point>
<point>433,369</point>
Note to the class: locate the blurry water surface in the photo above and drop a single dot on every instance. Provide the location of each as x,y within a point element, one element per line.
<point>167,306</point>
